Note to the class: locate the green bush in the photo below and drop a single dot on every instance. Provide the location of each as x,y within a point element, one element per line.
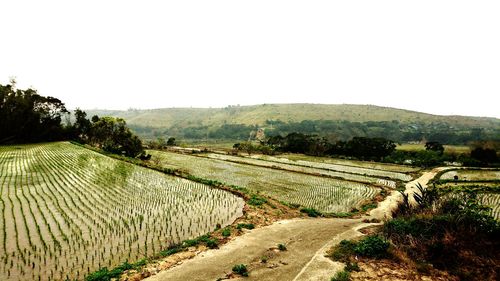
<point>226,232</point>
<point>191,242</point>
<point>240,269</point>
<point>341,276</point>
<point>282,247</point>
<point>311,212</point>
<point>170,251</point>
<point>352,266</point>
<point>343,251</point>
<point>245,225</point>
<point>212,243</point>
<point>372,246</point>
<point>256,200</point>
<point>368,206</point>
<point>100,275</point>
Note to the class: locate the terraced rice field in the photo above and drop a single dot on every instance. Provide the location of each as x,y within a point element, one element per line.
<point>491,200</point>
<point>322,193</point>
<point>472,175</point>
<point>66,211</point>
<point>371,176</point>
<point>485,179</point>
<point>297,158</point>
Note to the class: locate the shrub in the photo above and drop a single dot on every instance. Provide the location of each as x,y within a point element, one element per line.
<point>170,251</point>
<point>352,266</point>
<point>341,276</point>
<point>256,200</point>
<point>282,247</point>
<point>372,246</point>
<point>240,269</point>
<point>100,275</point>
<point>311,212</point>
<point>343,251</point>
<point>191,242</point>
<point>212,243</point>
<point>245,225</point>
<point>368,206</point>
<point>226,232</point>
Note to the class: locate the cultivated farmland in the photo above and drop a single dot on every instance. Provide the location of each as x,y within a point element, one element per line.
<point>483,181</point>
<point>67,211</point>
<point>472,175</point>
<point>322,193</point>
<point>340,171</point>
<point>306,160</point>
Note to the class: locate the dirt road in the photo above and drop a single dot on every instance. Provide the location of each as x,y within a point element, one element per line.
<point>385,208</point>
<point>302,237</point>
<point>307,241</point>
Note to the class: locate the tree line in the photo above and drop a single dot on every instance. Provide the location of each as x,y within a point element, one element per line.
<point>373,149</point>
<point>26,117</point>
<point>400,131</point>
<point>359,147</point>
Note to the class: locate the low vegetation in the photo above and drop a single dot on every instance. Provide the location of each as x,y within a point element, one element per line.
<point>241,269</point>
<point>426,235</point>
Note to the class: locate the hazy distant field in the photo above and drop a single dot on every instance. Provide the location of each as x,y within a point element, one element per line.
<point>66,210</point>
<point>322,193</point>
<point>297,158</point>
<point>447,148</point>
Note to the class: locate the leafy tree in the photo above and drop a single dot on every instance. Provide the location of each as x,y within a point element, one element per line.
<point>26,116</point>
<point>82,124</point>
<point>171,141</point>
<point>112,134</point>
<point>485,155</point>
<point>434,146</point>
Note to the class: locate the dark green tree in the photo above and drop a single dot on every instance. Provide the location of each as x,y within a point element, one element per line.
<point>434,146</point>
<point>25,116</point>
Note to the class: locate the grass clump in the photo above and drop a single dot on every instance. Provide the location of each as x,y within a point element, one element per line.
<point>368,206</point>
<point>311,212</point>
<point>372,246</point>
<point>256,200</point>
<point>341,276</point>
<point>343,251</point>
<point>240,226</point>
<point>352,266</point>
<point>226,232</point>
<point>240,269</point>
<point>212,243</point>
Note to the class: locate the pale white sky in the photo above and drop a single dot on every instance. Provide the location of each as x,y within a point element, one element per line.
<point>440,57</point>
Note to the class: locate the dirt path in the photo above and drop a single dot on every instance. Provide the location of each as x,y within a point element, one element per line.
<point>303,239</point>
<point>386,207</point>
<point>307,241</point>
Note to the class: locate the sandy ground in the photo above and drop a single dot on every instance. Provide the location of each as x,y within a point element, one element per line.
<point>307,241</point>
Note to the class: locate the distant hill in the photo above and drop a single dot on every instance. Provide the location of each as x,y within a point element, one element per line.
<point>343,120</point>
<point>258,114</point>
